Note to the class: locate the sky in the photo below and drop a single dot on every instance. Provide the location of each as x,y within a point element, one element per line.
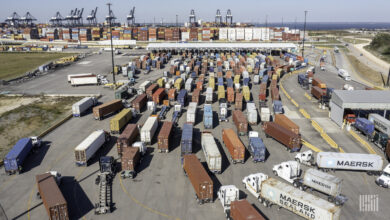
<point>243,11</point>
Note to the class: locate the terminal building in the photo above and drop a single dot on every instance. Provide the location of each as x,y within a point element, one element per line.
<point>361,102</point>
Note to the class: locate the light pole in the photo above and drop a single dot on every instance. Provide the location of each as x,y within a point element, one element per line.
<point>112,49</point>
<point>303,40</point>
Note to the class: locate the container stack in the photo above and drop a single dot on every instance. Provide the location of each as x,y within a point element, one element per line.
<point>85,34</point>
<point>143,34</point>
<point>152,34</point>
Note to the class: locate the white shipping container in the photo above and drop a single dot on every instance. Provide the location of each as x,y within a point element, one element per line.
<point>84,80</point>
<point>148,130</point>
<point>349,161</point>
<point>232,34</point>
<point>380,123</point>
<point>88,147</point>
<point>300,202</point>
<point>265,114</point>
<point>209,95</point>
<point>323,182</point>
<point>251,113</point>
<point>256,34</point>
<point>144,85</point>
<point>211,153</point>
<point>248,34</point>
<point>188,85</point>
<point>223,33</point>
<point>81,106</point>
<point>185,36</point>
<point>191,112</point>
<point>240,34</point>
<point>76,75</point>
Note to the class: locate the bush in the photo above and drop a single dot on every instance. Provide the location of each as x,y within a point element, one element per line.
<point>381,43</point>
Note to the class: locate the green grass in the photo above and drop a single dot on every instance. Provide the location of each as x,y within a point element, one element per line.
<point>384,57</point>
<point>13,65</point>
<point>364,71</point>
<point>355,41</point>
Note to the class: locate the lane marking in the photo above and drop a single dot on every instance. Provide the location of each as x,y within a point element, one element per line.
<point>312,147</point>
<point>29,202</point>
<point>144,206</point>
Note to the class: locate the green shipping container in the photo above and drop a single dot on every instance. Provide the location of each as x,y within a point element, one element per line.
<point>120,120</point>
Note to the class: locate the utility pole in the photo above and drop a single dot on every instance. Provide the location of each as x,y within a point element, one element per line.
<point>282,21</point>
<point>303,40</point>
<point>177,20</point>
<point>112,48</point>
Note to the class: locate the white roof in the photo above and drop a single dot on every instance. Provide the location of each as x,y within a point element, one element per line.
<point>362,99</point>
<point>118,42</point>
<point>149,123</point>
<point>211,146</point>
<point>89,140</point>
<point>226,46</point>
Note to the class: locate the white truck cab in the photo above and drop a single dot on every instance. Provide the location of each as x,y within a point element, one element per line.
<point>384,179</point>
<point>253,134</point>
<point>344,74</point>
<point>142,147</point>
<point>223,112</point>
<point>305,158</point>
<point>227,194</point>
<point>151,106</point>
<point>36,142</point>
<point>289,170</point>
<point>253,183</point>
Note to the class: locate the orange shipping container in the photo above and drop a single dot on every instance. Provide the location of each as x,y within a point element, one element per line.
<point>234,145</point>
<point>230,94</point>
<point>159,95</point>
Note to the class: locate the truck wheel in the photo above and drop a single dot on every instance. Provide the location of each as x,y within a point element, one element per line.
<point>275,173</point>
<point>301,187</point>
<point>265,203</point>
<point>295,184</point>
<point>337,202</point>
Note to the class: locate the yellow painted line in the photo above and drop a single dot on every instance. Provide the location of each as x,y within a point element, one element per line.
<point>295,103</point>
<point>29,202</point>
<point>304,113</point>
<point>307,96</point>
<point>362,142</point>
<point>144,206</point>
<point>317,126</point>
<point>312,147</point>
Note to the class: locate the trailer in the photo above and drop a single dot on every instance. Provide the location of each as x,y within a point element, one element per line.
<point>256,147</point>
<point>100,111</point>
<point>240,122</point>
<point>130,159</point>
<point>84,80</point>
<point>186,139</point>
<point>148,129</point>
<point>182,97</point>
<point>209,95</point>
<point>191,112</point>
<point>70,76</point>
<point>83,105</point>
<point>89,146</point>
<point>365,126</point>
<point>208,116</point>
<point>380,123</point>
<point>128,136</point>
<point>13,161</point>
<point>142,88</point>
<point>251,113</point>
<point>120,120</point>
<point>226,195</point>
<point>270,191</point>
<point>284,136</point>
<point>243,210</point>
<point>223,110</point>
<point>234,145</point>
<point>265,114</point>
<point>163,139</point>
<point>211,152</point>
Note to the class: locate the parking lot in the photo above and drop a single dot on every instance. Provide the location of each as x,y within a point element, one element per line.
<point>161,190</point>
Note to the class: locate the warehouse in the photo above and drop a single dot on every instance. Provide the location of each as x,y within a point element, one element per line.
<point>357,100</point>
<point>222,46</point>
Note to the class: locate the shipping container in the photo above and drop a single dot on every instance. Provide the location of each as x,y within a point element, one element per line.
<point>89,146</point>
<point>83,105</point>
<point>84,80</point>
<point>251,113</point>
<point>283,135</point>
<point>159,95</point>
<point>380,123</point>
<point>243,210</point>
<point>365,126</point>
<point>13,161</point>
<point>120,120</point>
<point>150,90</point>
<point>257,148</point>
<point>317,82</point>
<point>230,94</point>
<point>107,108</point>
<point>285,122</point>
<point>186,139</point>
<point>130,159</point>
<point>221,92</point>
<point>238,102</point>
<point>234,145</point>
<point>182,97</point>
<point>372,163</point>
<point>148,129</point>
<point>52,198</point>
<point>188,85</point>
<point>240,122</point>
<point>163,139</point>
<point>209,95</point>
<point>191,112</point>
<point>211,152</point>
<point>129,135</point>
<point>246,93</point>
<point>318,93</point>
<point>178,83</point>
<point>139,103</point>
<point>208,116</point>
<point>172,94</point>
<point>144,85</point>
<point>199,178</point>
<point>274,94</point>
<point>196,96</point>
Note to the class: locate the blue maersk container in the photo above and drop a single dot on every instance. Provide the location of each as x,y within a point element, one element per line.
<point>278,107</point>
<point>14,159</point>
<point>220,81</point>
<point>186,139</point>
<point>257,149</point>
<point>229,82</point>
<point>365,126</point>
<point>182,97</point>
<point>208,116</point>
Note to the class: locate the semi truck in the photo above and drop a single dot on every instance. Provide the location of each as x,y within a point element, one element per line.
<point>384,179</point>
<point>226,195</point>
<point>89,146</point>
<point>211,152</point>
<point>208,116</point>
<point>83,105</point>
<point>256,147</point>
<point>148,130</point>
<point>191,112</point>
<point>84,80</point>
<point>270,191</point>
<point>380,123</point>
<point>223,110</point>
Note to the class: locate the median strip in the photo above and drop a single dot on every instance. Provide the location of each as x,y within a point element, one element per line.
<point>362,142</point>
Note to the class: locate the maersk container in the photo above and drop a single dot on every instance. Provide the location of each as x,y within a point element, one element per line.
<point>323,182</point>
<point>277,106</point>
<point>188,85</point>
<point>365,126</point>
<point>300,202</point>
<point>349,161</point>
<point>211,152</point>
<point>208,116</point>
<point>89,146</point>
<point>380,123</point>
<point>209,95</point>
<point>251,113</point>
<point>148,130</point>
<point>191,112</point>
<point>182,97</point>
<point>257,149</point>
<point>83,105</point>
<point>186,139</point>
<point>14,159</point>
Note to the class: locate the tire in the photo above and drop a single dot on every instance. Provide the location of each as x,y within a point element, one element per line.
<point>265,203</point>
<point>301,187</point>
<point>275,173</point>
<point>295,184</point>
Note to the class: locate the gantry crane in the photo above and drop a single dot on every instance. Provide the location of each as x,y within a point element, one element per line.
<point>131,17</point>
<point>13,20</point>
<point>56,20</point>
<point>92,21</point>
<point>229,17</point>
<point>192,17</point>
<point>27,20</point>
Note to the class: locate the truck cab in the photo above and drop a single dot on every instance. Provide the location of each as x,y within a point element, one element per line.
<point>350,118</point>
<point>142,147</point>
<point>344,74</point>
<point>36,142</point>
<point>227,194</point>
<point>107,165</point>
<point>253,183</point>
<point>305,158</point>
<point>256,147</point>
<point>384,179</point>
<point>223,111</point>
<point>289,170</point>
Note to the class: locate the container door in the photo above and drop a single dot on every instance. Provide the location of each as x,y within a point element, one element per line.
<point>212,163</point>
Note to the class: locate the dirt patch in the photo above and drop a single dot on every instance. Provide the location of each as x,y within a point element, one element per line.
<point>364,71</point>
<point>24,120</point>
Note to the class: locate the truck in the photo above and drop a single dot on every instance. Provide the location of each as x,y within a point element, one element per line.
<point>150,90</point>
<point>365,126</point>
<point>344,74</point>
<point>120,120</point>
<point>100,111</point>
<point>221,92</point>
<point>163,138</point>
<point>226,195</point>
<point>128,136</point>
<point>107,170</point>
<point>13,161</point>
<point>313,179</point>
<point>139,102</point>
<point>251,113</point>
<point>277,106</point>
<point>186,139</point>
<point>191,112</point>
<point>200,180</point>
<point>209,95</point>
<point>240,122</point>
<point>176,114</point>
<point>380,123</point>
<point>208,116</point>
<point>234,145</point>
<point>188,85</point>
<point>289,139</point>
<point>223,110</point>
<point>89,146</point>
<point>384,179</point>
<point>70,76</point>
<point>182,97</point>
<point>256,147</point>
<point>148,129</point>
<point>303,81</point>
<point>130,159</point>
<point>84,80</point>
<point>285,122</point>
<point>238,102</point>
<point>270,191</point>
<point>83,105</point>
<point>144,86</point>
<point>211,152</point>
<point>52,197</point>
<point>243,210</point>
<point>265,114</point>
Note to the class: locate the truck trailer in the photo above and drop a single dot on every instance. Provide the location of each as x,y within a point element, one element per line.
<point>89,146</point>
<point>211,152</point>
